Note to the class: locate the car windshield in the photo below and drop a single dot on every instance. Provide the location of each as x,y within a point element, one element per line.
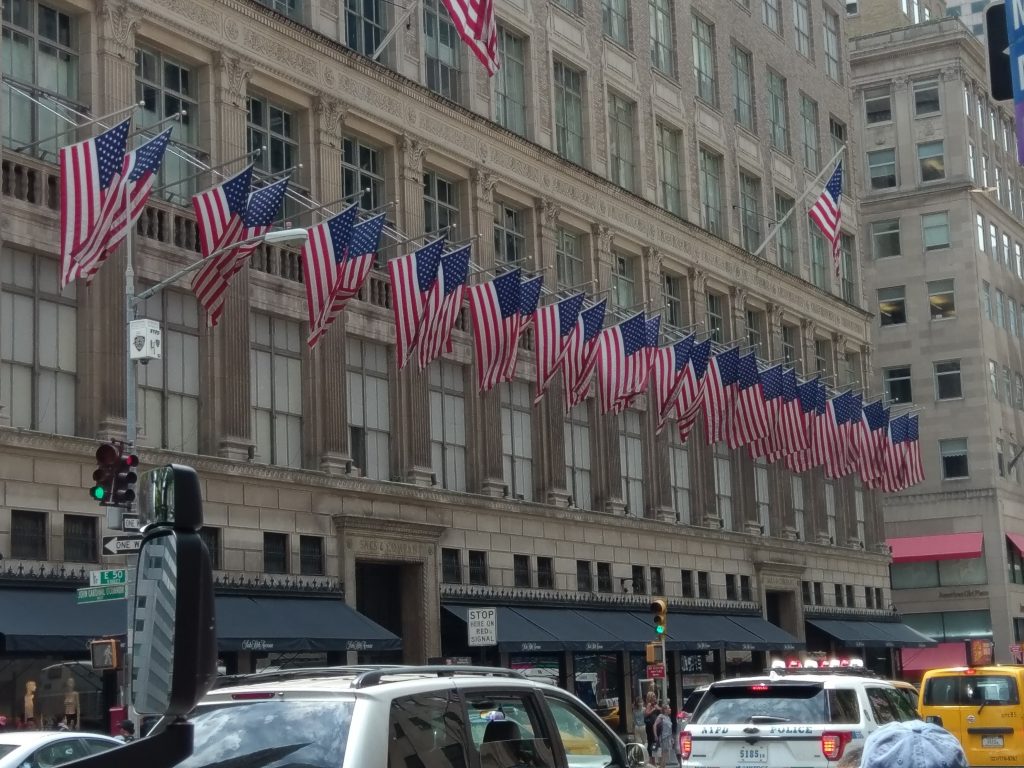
<point>776,703</point>
<point>271,734</point>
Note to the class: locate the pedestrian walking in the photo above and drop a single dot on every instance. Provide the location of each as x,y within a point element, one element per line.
<point>664,735</point>
<point>651,713</point>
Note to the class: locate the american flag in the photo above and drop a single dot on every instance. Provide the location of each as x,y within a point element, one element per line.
<point>691,392</point>
<point>474,21</point>
<point>814,402</point>
<point>749,416</point>
<point>771,389</point>
<point>913,467</point>
<point>667,371</point>
<point>322,257</point>
<point>412,276</point>
<point>212,280</point>
<point>219,211</point>
<point>553,326</point>
<point>892,478</point>
<point>529,297</point>
<point>719,389</point>
<point>798,400</point>
<point>859,441</point>
<point>642,373</point>
<point>92,193</point>
<point>877,418</point>
<point>832,445</point>
<point>621,361</point>
<point>580,357</point>
<point>495,309</point>
<point>442,308</point>
<point>827,212</point>
<point>353,271</point>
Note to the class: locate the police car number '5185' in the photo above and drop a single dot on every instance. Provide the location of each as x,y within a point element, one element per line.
<point>753,755</point>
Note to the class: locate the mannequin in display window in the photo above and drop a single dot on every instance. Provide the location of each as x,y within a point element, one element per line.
<point>30,700</point>
<point>71,702</point>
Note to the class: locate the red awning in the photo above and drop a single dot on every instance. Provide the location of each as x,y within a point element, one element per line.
<point>946,546</point>
<point>942,655</point>
<point>1017,539</point>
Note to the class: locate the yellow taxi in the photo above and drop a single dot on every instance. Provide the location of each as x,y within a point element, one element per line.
<point>981,706</point>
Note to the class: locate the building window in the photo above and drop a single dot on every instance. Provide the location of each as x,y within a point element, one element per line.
<point>686,578</point>
<point>970,160</point>
<point>716,319</point>
<point>311,555</point>
<point>1006,250</point>
<point>762,497</point>
<point>679,466</point>
<point>509,234</point>
<point>631,457</point>
<point>878,104</point>
<point>986,299</point>
<point>440,204</point>
<point>832,46</point>
<point>369,408</point>
<point>615,21</point>
<point>443,50</point>
<point>568,259</point>
<point>882,168</point>
<point>448,425</point>
<point>993,378</point>
<point>510,83</point>
<point>819,596</point>
<point>516,439</point>
<point>669,192</point>
<point>785,240</point>
<point>477,567</point>
<point>778,117</point>
<point>362,167</point>
<point>809,120</point>
<point>166,86</point>
<point>623,281</point>
<point>711,191</point>
<point>755,329</point>
<point>657,581</point>
<point>941,299</point>
<point>830,510</point>
<point>620,129</point>
<point>838,590</point>
<point>584,578</point>
<point>743,87</point>
<point>275,381</point>
<point>885,238</point>
<point>28,535</point>
<point>993,240</point>
<point>366,23</point>
<point>723,485</point>
<point>822,356</point>
<point>897,384</point>
<point>38,349</point>
<point>771,16</point>
<point>797,502</point>
<point>947,380</point>
<point>750,211</point>
<point>521,571</point>
<point>639,580</point>
<point>704,61</point>
<point>931,161</point>
<point>1011,315</point>
<point>604,577</point>
<point>572,6</point>
<point>289,8</point>
<point>703,585</point>
<point>848,271</point>
<point>789,343</point>
<point>802,25</point>
<point>40,55</point>
<point>672,293</point>
<point>926,97</point>
<point>746,593</point>
<point>168,389</point>
<point>275,552</point>
<point>577,457</point>
<point>569,113</point>
<point>545,573</point>
<point>80,539</point>
<point>274,127</point>
<point>662,37</point>
<point>820,258</point>
<point>731,592</point>
<point>451,566</point>
<point>1000,457</point>
<point>837,132</point>
<point>211,538</point>
<point>936,230</point>
<point>953,454</point>
<point>1000,316</point>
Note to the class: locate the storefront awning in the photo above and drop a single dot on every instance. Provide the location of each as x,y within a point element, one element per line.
<point>773,638</point>
<point>291,624</point>
<point>515,634</point>
<point>574,630</point>
<point>946,546</point>
<point>632,631</point>
<point>1017,539</point>
<point>51,621</point>
<point>872,634</point>
<point>942,655</point>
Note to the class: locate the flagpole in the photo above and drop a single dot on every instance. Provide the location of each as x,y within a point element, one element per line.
<point>210,169</point>
<point>76,126</point>
<point>409,10</point>
<point>141,131</point>
<point>810,188</point>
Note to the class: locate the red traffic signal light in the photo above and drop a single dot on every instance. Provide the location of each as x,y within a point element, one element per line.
<point>659,612</point>
<point>125,478</point>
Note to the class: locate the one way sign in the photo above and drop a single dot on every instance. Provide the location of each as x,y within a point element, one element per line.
<point>121,545</point>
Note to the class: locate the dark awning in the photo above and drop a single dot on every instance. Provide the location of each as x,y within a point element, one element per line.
<point>872,634</point>
<point>515,634</point>
<point>632,631</point>
<point>773,638</point>
<point>50,620</point>
<point>297,624</point>
<point>575,631</point>
<point>696,631</point>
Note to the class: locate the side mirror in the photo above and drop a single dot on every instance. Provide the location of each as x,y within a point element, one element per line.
<point>636,756</point>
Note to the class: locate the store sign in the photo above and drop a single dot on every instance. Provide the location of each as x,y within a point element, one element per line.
<point>257,645</point>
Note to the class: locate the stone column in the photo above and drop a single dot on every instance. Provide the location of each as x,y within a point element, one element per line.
<point>808,329</point>
<point>607,466</point>
<point>773,318</point>
<point>327,384</point>
<point>411,393</point>
<point>703,509</point>
<point>657,473</point>
<point>102,331</point>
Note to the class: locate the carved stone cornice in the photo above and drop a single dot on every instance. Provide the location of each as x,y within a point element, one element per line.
<point>412,159</point>
<point>739,296</point>
<point>234,74</point>
<point>603,236</point>
<point>118,23</point>
<point>330,114</point>
<point>839,343</point>
<point>549,212</point>
<point>699,280</point>
<point>654,257</point>
<point>484,182</point>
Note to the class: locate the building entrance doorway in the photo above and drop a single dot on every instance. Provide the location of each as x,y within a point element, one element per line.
<point>388,593</point>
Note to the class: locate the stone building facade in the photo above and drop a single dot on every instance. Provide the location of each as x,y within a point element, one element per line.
<point>641,160</point>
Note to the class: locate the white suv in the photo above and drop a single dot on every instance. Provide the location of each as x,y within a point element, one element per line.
<point>783,720</point>
<point>400,717</point>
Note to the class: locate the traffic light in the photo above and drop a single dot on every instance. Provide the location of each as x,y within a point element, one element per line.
<point>107,458</point>
<point>1000,79</point>
<point>124,492</point>
<point>651,653</point>
<point>659,612</point>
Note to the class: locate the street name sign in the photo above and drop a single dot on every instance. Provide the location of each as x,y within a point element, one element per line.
<point>112,576</point>
<point>482,626</point>
<point>101,594</point>
<point>121,545</point>
<point>130,523</point>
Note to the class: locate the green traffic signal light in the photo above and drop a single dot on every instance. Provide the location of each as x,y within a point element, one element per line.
<point>97,492</point>
<point>660,629</point>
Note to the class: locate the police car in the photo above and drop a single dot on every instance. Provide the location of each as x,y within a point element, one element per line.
<point>789,719</point>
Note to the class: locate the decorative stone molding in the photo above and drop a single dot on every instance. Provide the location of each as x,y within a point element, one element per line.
<point>839,344</point>
<point>604,237</point>
<point>234,78</point>
<point>412,159</point>
<point>699,280</point>
<point>549,212</point>
<point>739,296</point>
<point>753,527</point>
<point>484,182</point>
<point>790,533</point>
<point>330,114</point>
<point>654,258</point>
<point>118,24</point>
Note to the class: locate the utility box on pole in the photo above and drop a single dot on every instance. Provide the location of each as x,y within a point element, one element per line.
<point>145,340</point>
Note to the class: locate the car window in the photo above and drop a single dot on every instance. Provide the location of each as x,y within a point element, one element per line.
<point>763,702</point>
<point>95,746</point>
<point>909,696</point>
<point>842,707</point>
<point>990,689</point>
<point>56,753</point>
<point>427,729</point>
<point>887,705</point>
<point>507,730</point>
<point>584,744</point>
<point>5,748</point>
<point>941,692</point>
<point>312,734</point>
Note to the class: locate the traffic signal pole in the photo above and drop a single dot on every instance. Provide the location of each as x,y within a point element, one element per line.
<point>130,435</point>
